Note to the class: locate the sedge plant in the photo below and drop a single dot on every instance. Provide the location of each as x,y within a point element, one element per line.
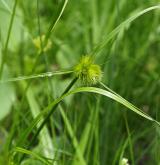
<point>89,74</point>
<point>91,77</point>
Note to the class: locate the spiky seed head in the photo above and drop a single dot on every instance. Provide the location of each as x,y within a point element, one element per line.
<point>88,72</point>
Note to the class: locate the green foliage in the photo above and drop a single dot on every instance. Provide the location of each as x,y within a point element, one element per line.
<point>7,95</point>
<point>43,120</point>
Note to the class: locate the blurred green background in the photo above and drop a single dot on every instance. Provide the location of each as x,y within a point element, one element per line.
<point>102,130</point>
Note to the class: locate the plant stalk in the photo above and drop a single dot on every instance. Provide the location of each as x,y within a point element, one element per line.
<point>49,114</point>
<point>4,56</point>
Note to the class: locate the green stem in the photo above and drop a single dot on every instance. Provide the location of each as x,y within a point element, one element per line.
<point>129,140</point>
<point>49,114</point>
<point>4,56</point>
<point>50,30</point>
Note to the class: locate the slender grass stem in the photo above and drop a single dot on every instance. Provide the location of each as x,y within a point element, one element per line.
<point>49,114</point>
<point>4,55</point>
<point>48,33</point>
<point>53,109</point>
<point>48,81</point>
<point>129,140</point>
<point>110,90</point>
<point>42,75</point>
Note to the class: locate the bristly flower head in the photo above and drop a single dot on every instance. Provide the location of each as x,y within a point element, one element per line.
<point>88,72</point>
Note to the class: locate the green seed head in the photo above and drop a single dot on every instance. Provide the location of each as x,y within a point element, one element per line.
<point>88,72</point>
<point>37,43</point>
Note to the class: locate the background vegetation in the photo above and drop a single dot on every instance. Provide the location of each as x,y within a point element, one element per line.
<point>86,128</point>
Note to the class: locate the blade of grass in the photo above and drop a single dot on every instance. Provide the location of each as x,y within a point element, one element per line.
<point>34,155</point>
<point>118,152</point>
<point>121,27</point>
<point>42,75</point>
<point>9,11</point>
<point>122,152</point>
<point>59,16</point>
<point>6,6</point>
<point>4,55</point>
<point>103,92</point>
<point>129,140</point>
<point>95,23</point>
<point>48,33</point>
<point>137,109</point>
<point>53,108</point>
<point>114,97</point>
<point>44,137</point>
<point>87,134</point>
<point>73,137</point>
<point>48,81</point>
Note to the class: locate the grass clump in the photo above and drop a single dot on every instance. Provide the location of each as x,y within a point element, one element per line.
<point>51,121</point>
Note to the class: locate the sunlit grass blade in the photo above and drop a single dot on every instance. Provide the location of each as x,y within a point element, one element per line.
<point>47,35</point>
<point>44,137</point>
<point>42,75</point>
<point>60,14</point>
<point>121,27</point>
<point>135,109</point>
<point>4,55</point>
<point>82,90</point>
<point>55,21</point>
<point>33,154</point>
<point>51,107</point>
<point>116,98</point>
<point>6,6</point>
